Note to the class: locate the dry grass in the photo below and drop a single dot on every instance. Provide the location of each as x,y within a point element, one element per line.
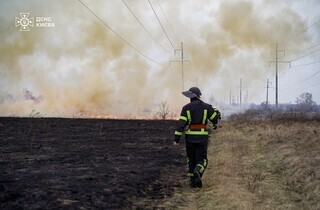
<point>259,165</point>
<point>297,145</point>
<point>274,115</point>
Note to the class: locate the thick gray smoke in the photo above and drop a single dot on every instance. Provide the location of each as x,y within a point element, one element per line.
<point>80,66</point>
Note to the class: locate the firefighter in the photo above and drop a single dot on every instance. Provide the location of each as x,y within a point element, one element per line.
<point>192,123</point>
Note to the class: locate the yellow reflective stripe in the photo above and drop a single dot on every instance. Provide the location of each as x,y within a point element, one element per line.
<point>183,118</point>
<point>213,115</point>
<point>190,174</point>
<point>202,132</point>
<point>205,113</point>
<point>205,162</point>
<point>202,168</point>
<point>189,116</point>
<point>178,133</point>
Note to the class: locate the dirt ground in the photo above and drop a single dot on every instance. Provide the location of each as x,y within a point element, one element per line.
<point>53,163</point>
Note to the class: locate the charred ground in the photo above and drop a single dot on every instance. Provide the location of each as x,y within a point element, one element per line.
<point>49,163</point>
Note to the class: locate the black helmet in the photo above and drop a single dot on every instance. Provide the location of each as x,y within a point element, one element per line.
<point>193,92</point>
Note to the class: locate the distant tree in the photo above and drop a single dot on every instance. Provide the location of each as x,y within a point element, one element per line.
<point>306,103</point>
<point>164,112</point>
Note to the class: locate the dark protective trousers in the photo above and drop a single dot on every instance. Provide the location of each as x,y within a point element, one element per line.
<point>197,157</point>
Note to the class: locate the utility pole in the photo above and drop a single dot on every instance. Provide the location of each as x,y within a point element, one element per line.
<point>230,98</point>
<point>182,61</point>
<point>267,99</point>
<point>240,92</point>
<point>277,61</point>
<point>246,97</point>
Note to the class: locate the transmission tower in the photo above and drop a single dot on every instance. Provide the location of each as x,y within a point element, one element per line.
<point>277,61</point>
<point>267,98</point>
<point>182,60</point>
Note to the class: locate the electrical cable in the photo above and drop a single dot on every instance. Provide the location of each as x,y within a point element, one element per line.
<point>299,51</point>
<point>306,64</point>
<point>145,28</point>
<point>295,90</point>
<point>305,55</point>
<point>161,25</point>
<point>301,81</point>
<point>297,66</point>
<point>284,72</point>
<point>125,41</point>
<point>311,86</point>
<point>306,79</point>
<point>167,20</point>
<point>305,30</point>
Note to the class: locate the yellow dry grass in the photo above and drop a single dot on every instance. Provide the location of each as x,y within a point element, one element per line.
<point>258,165</point>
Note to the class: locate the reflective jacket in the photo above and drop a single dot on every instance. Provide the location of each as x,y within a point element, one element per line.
<point>193,119</point>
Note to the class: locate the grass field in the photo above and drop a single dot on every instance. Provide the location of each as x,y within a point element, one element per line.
<point>256,161</point>
<point>260,164</point>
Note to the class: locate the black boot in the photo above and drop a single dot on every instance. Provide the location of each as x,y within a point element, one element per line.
<point>197,179</point>
<point>192,182</point>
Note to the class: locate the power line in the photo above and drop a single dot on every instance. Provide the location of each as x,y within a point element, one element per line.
<point>311,86</point>
<point>125,41</point>
<point>167,20</point>
<point>298,66</point>
<point>299,51</point>
<point>306,79</point>
<point>145,28</point>
<point>305,30</point>
<point>302,81</point>
<point>284,72</point>
<point>306,64</point>
<point>161,24</point>
<point>305,55</point>
<point>301,89</point>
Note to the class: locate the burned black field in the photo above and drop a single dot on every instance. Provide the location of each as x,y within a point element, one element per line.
<point>56,163</point>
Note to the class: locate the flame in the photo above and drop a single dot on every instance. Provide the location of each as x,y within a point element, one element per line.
<point>105,117</point>
<point>126,117</point>
<point>117,117</point>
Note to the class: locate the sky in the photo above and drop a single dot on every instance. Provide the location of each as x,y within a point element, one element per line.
<point>123,58</point>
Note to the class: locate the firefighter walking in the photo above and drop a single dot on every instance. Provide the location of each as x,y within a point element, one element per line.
<point>192,122</point>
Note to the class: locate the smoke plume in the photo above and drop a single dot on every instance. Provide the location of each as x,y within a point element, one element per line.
<point>81,66</point>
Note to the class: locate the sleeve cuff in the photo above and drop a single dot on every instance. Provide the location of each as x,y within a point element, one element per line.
<point>177,133</point>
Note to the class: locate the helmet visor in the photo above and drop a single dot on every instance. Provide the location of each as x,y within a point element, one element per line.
<point>189,94</point>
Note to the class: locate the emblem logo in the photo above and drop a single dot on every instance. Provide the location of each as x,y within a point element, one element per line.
<point>24,22</point>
